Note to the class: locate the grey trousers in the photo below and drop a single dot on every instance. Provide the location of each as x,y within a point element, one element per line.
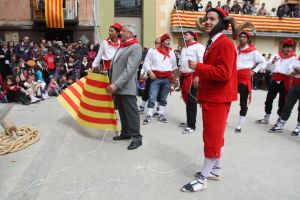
<point>129,116</point>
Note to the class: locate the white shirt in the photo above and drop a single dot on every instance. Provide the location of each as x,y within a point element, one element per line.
<point>106,52</point>
<point>194,52</point>
<point>296,63</point>
<point>249,60</point>
<point>154,60</point>
<point>281,65</point>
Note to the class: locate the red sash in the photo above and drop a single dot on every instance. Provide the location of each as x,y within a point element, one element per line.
<point>296,81</point>
<point>129,42</point>
<point>186,85</point>
<point>244,77</point>
<point>106,64</point>
<point>164,53</point>
<point>163,74</point>
<point>282,77</point>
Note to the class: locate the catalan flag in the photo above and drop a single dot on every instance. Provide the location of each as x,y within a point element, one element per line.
<point>89,104</point>
<point>54,13</point>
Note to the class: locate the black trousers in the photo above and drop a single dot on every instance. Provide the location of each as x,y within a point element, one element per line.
<point>191,106</point>
<point>292,98</point>
<point>145,96</point>
<point>274,89</point>
<point>129,116</point>
<point>244,93</point>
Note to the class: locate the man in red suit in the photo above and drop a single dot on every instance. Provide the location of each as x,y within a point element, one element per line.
<point>217,89</point>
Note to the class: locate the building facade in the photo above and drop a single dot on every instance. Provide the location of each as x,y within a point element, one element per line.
<point>26,17</point>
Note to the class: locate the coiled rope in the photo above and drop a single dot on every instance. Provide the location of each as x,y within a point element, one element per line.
<point>15,139</point>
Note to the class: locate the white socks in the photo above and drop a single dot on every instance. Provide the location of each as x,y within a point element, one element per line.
<point>150,112</point>
<point>218,165</point>
<point>161,109</point>
<point>144,103</point>
<point>241,122</point>
<point>207,166</point>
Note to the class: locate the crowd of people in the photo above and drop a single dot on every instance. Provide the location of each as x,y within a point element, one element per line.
<point>212,76</point>
<point>33,71</point>
<point>284,10</point>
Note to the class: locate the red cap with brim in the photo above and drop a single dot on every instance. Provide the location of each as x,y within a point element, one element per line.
<point>288,42</point>
<point>117,26</point>
<point>164,37</point>
<point>246,33</point>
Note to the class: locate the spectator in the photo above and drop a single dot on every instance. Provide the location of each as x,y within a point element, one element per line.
<point>33,89</point>
<point>92,54</point>
<point>179,4</point>
<point>246,8</point>
<point>198,6</point>
<point>226,7</point>
<point>219,4</point>
<point>53,88</point>
<point>188,5</point>
<point>262,11</point>
<point>253,10</point>
<point>296,11</point>
<point>283,10</point>
<point>273,12</point>
<point>50,61</point>
<point>236,8</point>
<point>14,93</point>
<point>208,6</point>
<point>22,50</point>
<point>81,49</point>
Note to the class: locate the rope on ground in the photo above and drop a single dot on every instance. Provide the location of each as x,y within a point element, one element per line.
<point>22,138</point>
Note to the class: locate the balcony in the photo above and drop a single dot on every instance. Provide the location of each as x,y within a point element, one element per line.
<point>70,10</point>
<point>265,26</point>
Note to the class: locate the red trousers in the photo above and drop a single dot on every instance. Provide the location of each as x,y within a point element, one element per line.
<point>214,117</point>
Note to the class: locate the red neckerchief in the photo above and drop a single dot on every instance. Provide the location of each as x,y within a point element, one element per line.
<point>282,56</point>
<point>191,43</point>
<point>247,50</point>
<point>165,53</point>
<point>129,42</point>
<point>114,44</point>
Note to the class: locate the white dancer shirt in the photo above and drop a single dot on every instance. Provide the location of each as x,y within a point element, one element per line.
<point>193,52</point>
<point>281,65</point>
<point>156,61</point>
<point>249,60</point>
<point>106,52</point>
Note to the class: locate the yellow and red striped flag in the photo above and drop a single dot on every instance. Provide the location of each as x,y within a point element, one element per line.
<point>54,14</point>
<point>88,102</point>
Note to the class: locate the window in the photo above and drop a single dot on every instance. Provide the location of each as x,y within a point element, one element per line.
<point>128,8</point>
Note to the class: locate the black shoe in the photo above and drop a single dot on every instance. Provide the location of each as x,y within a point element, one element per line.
<point>134,144</point>
<point>238,130</point>
<point>121,137</point>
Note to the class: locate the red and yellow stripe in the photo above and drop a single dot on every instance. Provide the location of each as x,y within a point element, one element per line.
<point>261,23</point>
<point>89,104</point>
<point>54,13</point>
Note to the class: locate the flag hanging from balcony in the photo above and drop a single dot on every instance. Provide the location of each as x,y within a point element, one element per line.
<point>54,13</point>
<point>89,104</point>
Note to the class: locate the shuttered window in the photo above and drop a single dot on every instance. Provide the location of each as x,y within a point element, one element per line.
<point>128,8</point>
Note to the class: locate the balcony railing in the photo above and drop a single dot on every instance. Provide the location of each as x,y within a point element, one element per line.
<point>186,20</point>
<point>70,10</point>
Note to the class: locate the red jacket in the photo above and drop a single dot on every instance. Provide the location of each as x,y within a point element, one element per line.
<point>217,74</point>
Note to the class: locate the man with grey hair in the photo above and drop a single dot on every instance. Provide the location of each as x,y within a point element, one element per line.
<point>123,71</point>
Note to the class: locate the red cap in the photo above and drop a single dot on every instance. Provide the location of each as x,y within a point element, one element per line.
<point>288,42</point>
<point>117,26</point>
<point>221,12</point>
<point>246,33</point>
<point>164,37</point>
<point>194,34</point>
